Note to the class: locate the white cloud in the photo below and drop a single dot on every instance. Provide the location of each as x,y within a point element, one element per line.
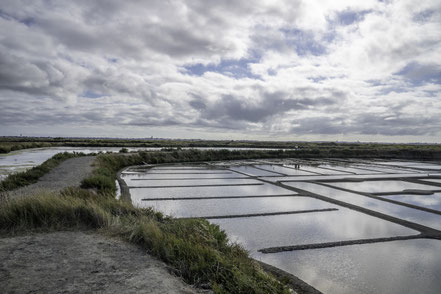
<point>349,70</point>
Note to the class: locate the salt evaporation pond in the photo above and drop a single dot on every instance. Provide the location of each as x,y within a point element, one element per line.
<point>398,211</point>
<point>383,186</point>
<point>236,206</point>
<point>300,229</point>
<point>412,266</point>
<point>277,211</point>
<point>194,182</point>
<point>432,201</point>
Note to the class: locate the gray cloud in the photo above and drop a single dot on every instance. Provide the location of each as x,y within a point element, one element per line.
<point>376,74</point>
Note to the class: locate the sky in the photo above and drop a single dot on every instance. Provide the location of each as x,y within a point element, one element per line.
<point>225,69</point>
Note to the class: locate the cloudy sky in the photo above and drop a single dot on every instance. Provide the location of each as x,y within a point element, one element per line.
<point>225,69</point>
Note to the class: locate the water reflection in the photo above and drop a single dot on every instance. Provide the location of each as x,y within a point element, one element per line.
<point>412,266</point>
<point>382,186</point>
<point>224,191</point>
<point>132,183</point>
<point>296,229</point>
<point>182,176</point>
<point>284,170</point>
<point>322,171</point>
<point>218,207</point>
<point>428,201</point>
<point>252,171</point>
<point>395,210</point>
<point>341,177</point>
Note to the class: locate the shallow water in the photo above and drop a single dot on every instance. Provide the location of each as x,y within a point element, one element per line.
<point>187,171</point>
<point>284,170</point>
<point>252,171</point>
<point>411,266</point>
<point>340,177</point>
<point>195,182</point>
<point>224,191</point>
<point>428,201</point>
<point>438,181</point>
<point>317,227</point>
<point>181,176</point>
<point>382,186</point>
<point>389,267</point>
<point>322,171</point>
<point>395,210</point>
<point>238,206</point>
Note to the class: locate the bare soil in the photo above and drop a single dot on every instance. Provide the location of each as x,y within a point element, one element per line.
<point>81,262</point>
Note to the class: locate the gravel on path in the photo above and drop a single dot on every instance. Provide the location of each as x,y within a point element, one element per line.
<point>81,262</point>
<point>69,173</point>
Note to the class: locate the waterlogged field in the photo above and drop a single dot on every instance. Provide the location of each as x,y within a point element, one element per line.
<point>341,226</point>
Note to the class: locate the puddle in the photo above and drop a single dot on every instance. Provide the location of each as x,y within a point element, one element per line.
<point>411,266</point>
<point>298,229</point>
<point>194,182</point>
<point>382,186</point>
<point>238,206</point>
<point>224,191</point>
<point>428,201</point>
<point>395,210</point>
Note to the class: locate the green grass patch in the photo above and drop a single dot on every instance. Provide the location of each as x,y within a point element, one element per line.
<point>198,251</point>
<point>32,175</point>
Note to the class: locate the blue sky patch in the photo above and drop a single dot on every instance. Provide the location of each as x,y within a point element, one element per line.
<point>348,17</point>
<point>92,95</point>
<point>304,42</point>
<point>235,68</point>
<point>419,74</point>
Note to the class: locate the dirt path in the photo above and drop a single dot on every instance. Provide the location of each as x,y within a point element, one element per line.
<point>81,262</point>
<point>78,262</point>
<point>68,174</point>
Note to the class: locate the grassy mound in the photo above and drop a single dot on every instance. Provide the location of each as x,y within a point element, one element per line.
<point>197,250</point>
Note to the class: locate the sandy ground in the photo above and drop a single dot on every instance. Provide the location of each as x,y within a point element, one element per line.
<point>81,262</point>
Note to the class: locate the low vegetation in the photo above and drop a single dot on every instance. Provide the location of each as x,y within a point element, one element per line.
<point>32,175</point>
<point>197,250</point>
<point>312,149</point>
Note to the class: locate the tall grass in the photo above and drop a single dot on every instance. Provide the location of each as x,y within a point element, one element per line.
<point>197,250</point>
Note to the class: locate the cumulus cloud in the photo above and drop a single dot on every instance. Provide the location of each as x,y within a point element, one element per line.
<point>283,69</point>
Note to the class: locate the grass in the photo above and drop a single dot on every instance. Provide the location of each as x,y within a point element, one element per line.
<point>32,175</point>
<point>198,251</point>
